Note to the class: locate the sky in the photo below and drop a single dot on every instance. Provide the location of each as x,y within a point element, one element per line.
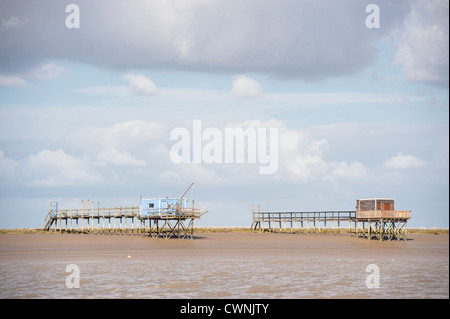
<point>89,99</point>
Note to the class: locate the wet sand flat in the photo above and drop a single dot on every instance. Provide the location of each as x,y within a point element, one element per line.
<point>86,247</point>
<point>223,265</point>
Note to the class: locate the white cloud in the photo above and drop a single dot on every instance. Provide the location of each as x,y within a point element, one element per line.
<point>354,170</point>
<point>48,71</point>
<point>114,157</point>
<point>140,84</point>
<point>128,135</point>
<point>118,152</point>
<point>423,43</point>
<point>12,81</point>
<point>56,168</point>
<point>13,22</point>
<point>122,150</point>
<point>301,157</point>
<point>245,87</point>
<point>44,72</point>
<point>401,161</point>
<point>169,175</point>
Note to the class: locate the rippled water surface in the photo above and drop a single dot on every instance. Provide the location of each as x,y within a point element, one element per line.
<point>296,278</point>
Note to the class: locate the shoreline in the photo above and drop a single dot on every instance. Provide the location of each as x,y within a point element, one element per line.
<point>232,229</point>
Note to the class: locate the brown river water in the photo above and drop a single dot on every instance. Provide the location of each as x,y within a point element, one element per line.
<point>223,265</point>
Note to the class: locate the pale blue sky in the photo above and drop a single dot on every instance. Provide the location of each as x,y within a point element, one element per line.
<point>87,113</point>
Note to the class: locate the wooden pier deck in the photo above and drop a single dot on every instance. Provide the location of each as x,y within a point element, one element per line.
<point>165,223</point>
<point>379,224</point>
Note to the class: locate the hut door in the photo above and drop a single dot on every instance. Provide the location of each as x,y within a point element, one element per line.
<point>387,206</point>
<point>378,206</point>
<point>54,208</point>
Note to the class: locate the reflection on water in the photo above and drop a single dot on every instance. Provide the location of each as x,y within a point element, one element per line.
<point>312,278</point>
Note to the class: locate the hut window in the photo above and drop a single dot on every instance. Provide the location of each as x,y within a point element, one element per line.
<point>151,205</point>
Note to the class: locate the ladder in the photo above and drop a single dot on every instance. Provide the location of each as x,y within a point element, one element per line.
<point>48,221</point>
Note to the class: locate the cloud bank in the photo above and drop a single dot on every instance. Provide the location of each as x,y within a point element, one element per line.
<point>307,40</point>
<point>131,152</point>
<point>423,43</point>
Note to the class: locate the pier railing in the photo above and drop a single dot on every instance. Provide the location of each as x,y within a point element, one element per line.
<point>383,214</point>
<point>300,221</point>
<point>381,224</point>
<point>165,222</point>
<point>188,212</point>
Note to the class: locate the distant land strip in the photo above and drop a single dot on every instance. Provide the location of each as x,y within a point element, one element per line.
<point>433,231</point>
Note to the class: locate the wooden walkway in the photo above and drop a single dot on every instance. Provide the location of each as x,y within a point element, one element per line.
<point>382,225</point>
<point>165,223</point>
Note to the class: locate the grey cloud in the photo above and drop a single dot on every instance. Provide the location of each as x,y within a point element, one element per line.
<point>308,40</point>
<point>423,43</point>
